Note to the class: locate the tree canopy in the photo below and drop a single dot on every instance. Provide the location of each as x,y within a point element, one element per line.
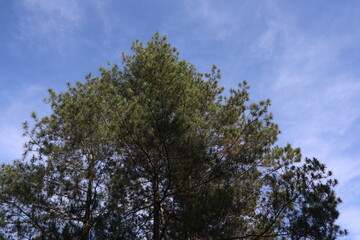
<point>153,149</point>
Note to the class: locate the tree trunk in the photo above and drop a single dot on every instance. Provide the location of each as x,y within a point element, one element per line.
<point>87,215</point>
<point>156,202</point>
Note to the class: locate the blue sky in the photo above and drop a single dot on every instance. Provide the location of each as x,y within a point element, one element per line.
<point>303,55</point>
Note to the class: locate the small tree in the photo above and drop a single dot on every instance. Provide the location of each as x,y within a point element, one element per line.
<point>155,150</point>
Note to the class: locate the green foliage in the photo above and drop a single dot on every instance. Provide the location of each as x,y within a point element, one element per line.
<point>156,150</point>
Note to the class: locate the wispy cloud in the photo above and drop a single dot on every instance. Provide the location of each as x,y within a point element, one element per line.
<point>212,18</point>
<point>10,141</point>
<point>319,98</point>
<point>101,8</point>
<point>21,104</point>
<point>43,22</point>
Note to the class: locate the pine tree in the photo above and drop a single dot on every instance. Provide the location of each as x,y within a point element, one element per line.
<point>156,150</point>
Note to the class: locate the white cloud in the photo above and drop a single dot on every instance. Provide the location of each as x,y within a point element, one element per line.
<point>64,9</point>
<point>319,99</point>
<point>21,104</point>
<point>43,22</point>
<point>212,19</point>
<point>101,8</point>
<point>265,45</point>
<point>11,142</point>
<point>307,82</point>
